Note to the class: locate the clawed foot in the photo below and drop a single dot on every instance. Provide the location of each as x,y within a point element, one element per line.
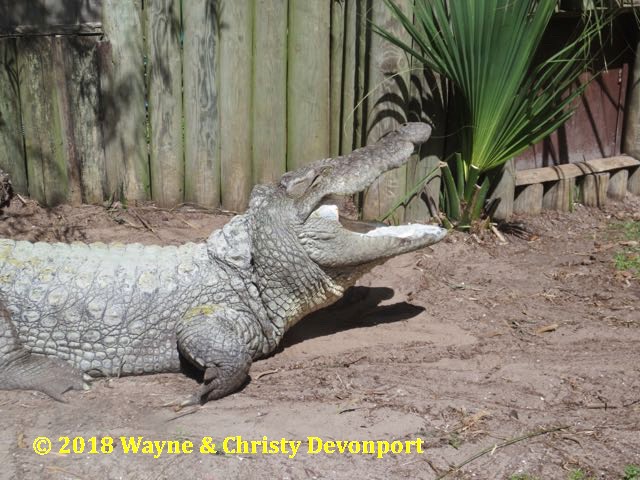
<point>199,398</point>
<point>213,387</point>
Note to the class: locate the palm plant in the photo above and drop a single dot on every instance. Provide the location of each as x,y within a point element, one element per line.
<point>507,97</point>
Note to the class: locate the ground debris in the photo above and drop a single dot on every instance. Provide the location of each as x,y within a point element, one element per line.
<point>548,328</point>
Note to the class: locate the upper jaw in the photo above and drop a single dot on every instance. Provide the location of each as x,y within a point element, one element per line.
<point>352,173</point>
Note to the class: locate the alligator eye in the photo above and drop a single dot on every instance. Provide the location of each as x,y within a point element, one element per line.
<point>314,181</point>
<point>319,175</point>
<point>297,186</point>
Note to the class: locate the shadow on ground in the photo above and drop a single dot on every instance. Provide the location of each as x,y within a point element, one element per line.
<point>359,308</point>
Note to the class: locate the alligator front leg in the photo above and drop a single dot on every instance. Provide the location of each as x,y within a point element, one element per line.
<point>207,338</point>
<point>22,370</point>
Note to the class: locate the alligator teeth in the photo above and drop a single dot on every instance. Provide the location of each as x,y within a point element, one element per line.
<point>326,211</point>
<point>411,231</point>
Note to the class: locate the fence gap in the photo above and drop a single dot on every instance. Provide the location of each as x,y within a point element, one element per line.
<point>12,158</point>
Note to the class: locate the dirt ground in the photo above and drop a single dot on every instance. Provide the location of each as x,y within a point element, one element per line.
<point>466,345</point>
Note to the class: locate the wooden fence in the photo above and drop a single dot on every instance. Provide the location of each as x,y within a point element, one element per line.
<point>198,100</point>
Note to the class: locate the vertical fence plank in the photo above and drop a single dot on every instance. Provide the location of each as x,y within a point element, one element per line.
<point>594,189</point>
<point>124,126</point>
<point>389,79</point>
<point>336,64</point>
<point>347,119</point>
<point>363,34</point>
<point>633,184</point>
<point>308,82</point>
<point>11,147</point>
<point>504,191</point>
<point>236,22</point>
<point>86,149</point>
<point>559,195</point>
<point>617,189</point>
<point>269,90</point>
<point>62,53</point>
<point>44,137</point>
<point>528,199</point>
<point>428,94</point>
<point>202,137</point>
<point>48,17</point>
<point>631,135</point>
<point>165,101</point>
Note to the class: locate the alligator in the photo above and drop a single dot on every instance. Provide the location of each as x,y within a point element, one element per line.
<point>74,312</point>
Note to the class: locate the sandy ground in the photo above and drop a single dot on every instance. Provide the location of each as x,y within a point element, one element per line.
<point>465,345</point>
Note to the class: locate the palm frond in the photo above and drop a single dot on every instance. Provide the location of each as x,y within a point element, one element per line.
<point>488,49</point>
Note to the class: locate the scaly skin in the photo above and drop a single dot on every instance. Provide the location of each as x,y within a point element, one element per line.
<point>114,309</point>
<point>131,309</point>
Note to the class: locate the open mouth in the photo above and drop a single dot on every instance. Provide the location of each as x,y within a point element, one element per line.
<point>415,231</point>
<point>332,240</point>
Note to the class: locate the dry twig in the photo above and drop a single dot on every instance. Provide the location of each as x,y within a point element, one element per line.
<point>496,446</point>
<point>144,222</point>
<point>266,372</point>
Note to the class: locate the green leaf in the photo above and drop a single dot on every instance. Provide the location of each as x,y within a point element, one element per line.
<point>460,175</point>
<point>451,195</point>
<point>509,96</point>
<point>469,189</point>
<point>478,205</point>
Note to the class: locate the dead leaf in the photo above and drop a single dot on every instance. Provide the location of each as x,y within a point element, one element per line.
<point>498,234</point>
<point>21,441</point>
<point>603,247</point>
<point>630,243</point>
<point>548,328</point>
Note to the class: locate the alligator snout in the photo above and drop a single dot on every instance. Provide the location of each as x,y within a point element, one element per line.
<point>354,172</point>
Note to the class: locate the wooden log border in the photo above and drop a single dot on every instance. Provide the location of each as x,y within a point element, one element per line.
<point>598,179</point>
